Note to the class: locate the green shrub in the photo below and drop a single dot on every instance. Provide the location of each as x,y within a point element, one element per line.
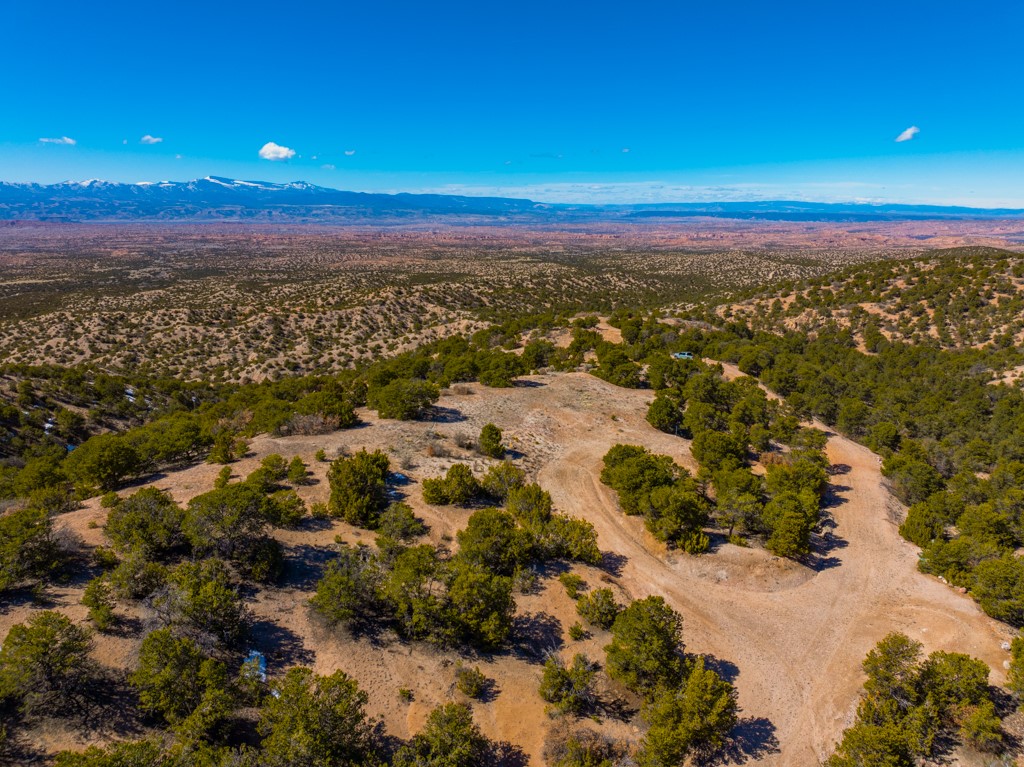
<point>569,689</point>
<point>470,681</point>
<point>97,597</point>
<point>490,441</point>
<point>599,608</point>
<point>358,490</point>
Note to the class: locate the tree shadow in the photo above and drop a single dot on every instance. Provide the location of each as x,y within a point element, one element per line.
<point>314,524</point>
<point>440,414</point>
<point>821,557</point>
<point>612,562</point>
<point>304,565</point>
<point>832,497</point>
<point>535,635</point>
<point>751,739</point>
<point>728,670</point>
<point>525,383</point>
<point>280,645</point>
<point>838,469</point>
<point>505,754</point>
<point>19,749</point>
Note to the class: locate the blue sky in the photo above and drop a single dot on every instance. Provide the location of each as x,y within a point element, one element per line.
<point>553,100</point>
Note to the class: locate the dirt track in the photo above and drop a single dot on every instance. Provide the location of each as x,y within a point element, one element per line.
<point>797,638</point>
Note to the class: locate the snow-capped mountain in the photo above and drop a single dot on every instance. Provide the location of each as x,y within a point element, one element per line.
<point>226,199</point>
<point>215,197</point>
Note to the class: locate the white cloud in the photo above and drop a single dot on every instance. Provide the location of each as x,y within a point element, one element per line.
<point>147,139</point>
<point>328,166</point>
<point>276,152</point>
<point>177,157</point>
<point>349,152</point>
<point>62,140</point>
<point>908,134</point>
<point>625,150</point>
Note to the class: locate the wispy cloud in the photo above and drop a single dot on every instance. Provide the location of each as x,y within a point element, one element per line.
<point>625,150</point>
<point>62,140</point>
<point>328,166</point>
<point>147,139</point>
<point>349,152</point>
<point>908,134</point>
<point>276,152</point>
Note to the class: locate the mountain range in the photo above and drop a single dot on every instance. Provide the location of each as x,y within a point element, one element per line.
<point>224,199</point>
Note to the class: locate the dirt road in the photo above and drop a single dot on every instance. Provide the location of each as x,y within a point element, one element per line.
<point>795,635</point>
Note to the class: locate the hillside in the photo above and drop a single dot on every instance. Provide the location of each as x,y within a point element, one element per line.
<point>957,298</point>
<point>742,607</point>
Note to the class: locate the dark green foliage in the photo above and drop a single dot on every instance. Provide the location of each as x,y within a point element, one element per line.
<point>402,399</point>
<point>140,753</point>
<point>201,601</point>
<point>297,471</point>
<point>398,523</point>
<point>567,538</point>
<point>319,721</point>
<point>652,485</point>
<point>458,487</point>
<point>44,663</point>
<point>174,676</point>
<point>347,592</point>
<point>490,441</point>
<point>470,681</point>
<point>275,468</point>
<point>493,540</point>
<point>790,520</point>
<point>27,548</point>
<point>615,367</point>
<point>411,592</point>
<point>232,522</point>
<point>999,588</point>
<point>1015,674</point>
<point>358,490</point>
<point>498,369</point>
<point>501,479</point>
<point>481,606</point>
<point>646,648</point>
<point>569,689</point>
<point>97,597</point>
<point>599,608</point>
<point>103,462</point>
<point>876,745</point>
<point>924,523</point>
<point>982,728</point>
<point>718,450</point>
<point>665,414</point>
<point>530,504</point>
<point>909,704</point>
<point>136,577</point>
<point>573,583</point>
<point>912,479</point>
<point>449,738</point>
<point>694,719</point>
<point>148,521</point>
<point>677,513</point>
